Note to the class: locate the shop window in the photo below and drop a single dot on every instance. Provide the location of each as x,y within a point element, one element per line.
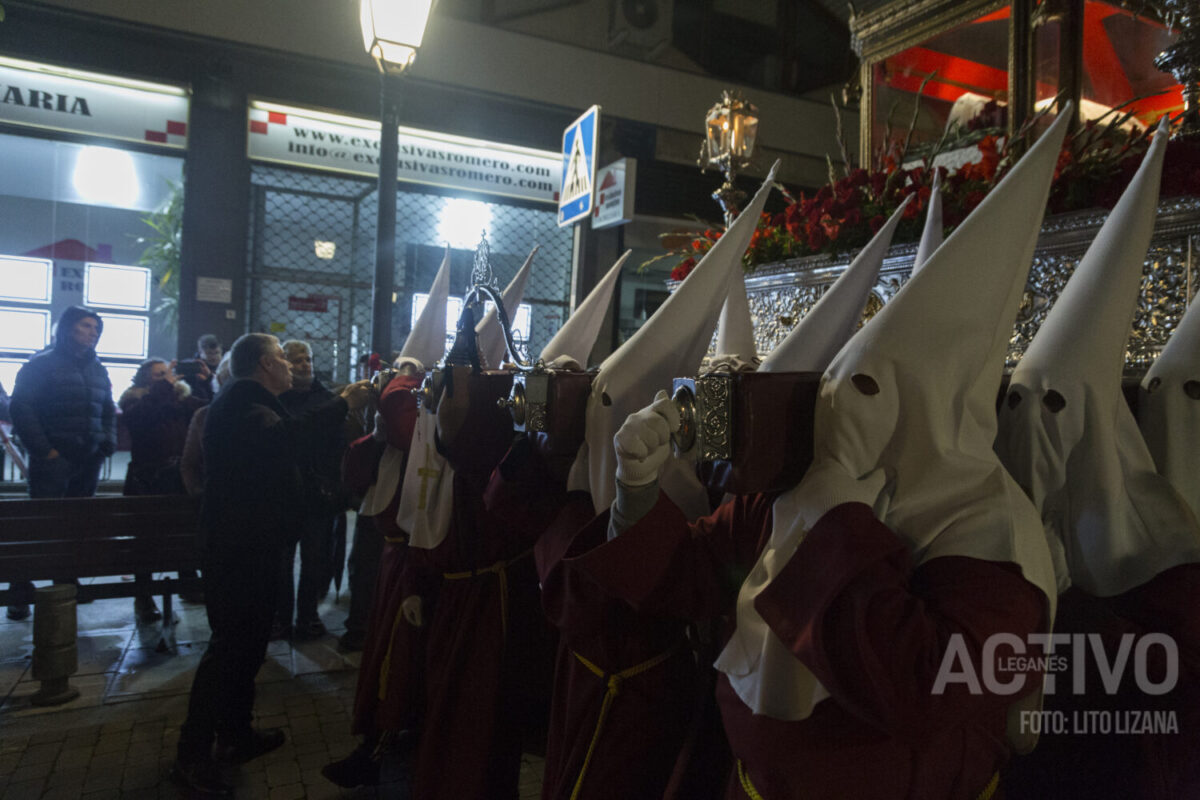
<point>120,375</point>
<point>113,286</point>
<point>293,209</point>
<point>124,336</point>
<point>520,321</point>
<point>26,280</point>
<point>9,367</point>
<point>55,214</point>
<point>24,330</point>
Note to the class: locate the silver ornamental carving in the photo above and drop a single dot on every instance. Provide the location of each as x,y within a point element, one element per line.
<point>781,294</point>
<point>715,411</point>
<point>481,270</point>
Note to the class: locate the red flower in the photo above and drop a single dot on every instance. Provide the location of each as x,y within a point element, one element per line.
<point>682,269</point>
<point>853,217</point>
<point>817,238</point>
<point>859,177</point>
<point>877,222</point>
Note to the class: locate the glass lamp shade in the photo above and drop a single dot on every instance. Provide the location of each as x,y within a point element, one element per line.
<point>731,127</point>
<point>393,29</point>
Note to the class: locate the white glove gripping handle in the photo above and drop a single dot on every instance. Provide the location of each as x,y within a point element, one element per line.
<point>643,442</point>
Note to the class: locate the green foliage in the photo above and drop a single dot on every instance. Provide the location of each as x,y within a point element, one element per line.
<point>162,255</point>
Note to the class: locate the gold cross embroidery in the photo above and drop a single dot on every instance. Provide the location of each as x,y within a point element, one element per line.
<point>426,473</point>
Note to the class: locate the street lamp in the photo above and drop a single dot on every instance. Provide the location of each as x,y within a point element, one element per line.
<point>392,32</point>
<point>730,128</point>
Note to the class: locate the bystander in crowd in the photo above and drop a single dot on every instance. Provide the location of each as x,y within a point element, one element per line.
<point>156,411</point>
<point>63,413</point>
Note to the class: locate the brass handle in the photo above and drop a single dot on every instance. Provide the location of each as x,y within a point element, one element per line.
<point>683,439</point>
<point>515,403</point>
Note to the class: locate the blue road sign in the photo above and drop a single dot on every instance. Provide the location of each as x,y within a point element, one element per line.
<point>579,167</point>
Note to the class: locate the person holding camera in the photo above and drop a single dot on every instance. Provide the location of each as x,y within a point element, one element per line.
<point>156,411</point>
<point>198,371</point>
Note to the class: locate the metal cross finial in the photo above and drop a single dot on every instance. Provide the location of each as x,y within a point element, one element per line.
<point>481,272</point>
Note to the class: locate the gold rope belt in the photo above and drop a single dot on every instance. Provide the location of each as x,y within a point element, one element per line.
<point>500,569</point>
<point>395,539</point>
<point>613,682</point>
<point>752,793</point>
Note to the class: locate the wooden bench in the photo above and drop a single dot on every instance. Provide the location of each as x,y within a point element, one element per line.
<point>61,539</point>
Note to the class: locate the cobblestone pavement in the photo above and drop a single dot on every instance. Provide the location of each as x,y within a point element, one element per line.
<point>117,739</point>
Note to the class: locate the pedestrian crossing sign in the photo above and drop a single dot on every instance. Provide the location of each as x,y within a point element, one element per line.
<point>579,167</point>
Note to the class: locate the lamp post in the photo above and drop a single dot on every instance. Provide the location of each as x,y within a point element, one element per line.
<point>730,128</point>
<point>392,32</point>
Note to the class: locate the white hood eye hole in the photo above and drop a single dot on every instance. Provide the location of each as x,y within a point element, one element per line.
<point>865,383</point>
<point>1054,401</point>
<point>1192,389</point>
<point>1014,399</point>
<point>605,400</point>
<point>1154,384</point>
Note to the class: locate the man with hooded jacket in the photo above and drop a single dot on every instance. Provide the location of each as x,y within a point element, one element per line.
<point>62,410</point>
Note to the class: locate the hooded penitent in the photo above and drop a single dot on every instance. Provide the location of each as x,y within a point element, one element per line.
<point>735,346</point>
<point>488,332</point>
<point>426,342</point>
<point>909,404</point>
<point>820,334</point>
<point>1169,409</point>
<point>931,234</point>
<point>671,343</point>
<point>425,345</point>
<point>577,336</point>
<point>1067,435</point>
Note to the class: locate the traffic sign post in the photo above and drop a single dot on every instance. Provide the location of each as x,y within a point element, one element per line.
<point>579,167</point>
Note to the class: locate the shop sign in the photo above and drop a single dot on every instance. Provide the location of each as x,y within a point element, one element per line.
<point>579,167</point>
<point>614,193</point>
<point>43,96</point>
<point>307,138</point>
<point>320,304</point>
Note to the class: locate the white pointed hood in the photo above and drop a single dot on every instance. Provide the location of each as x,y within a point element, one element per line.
<point>1067,435</point>
<point>488,331</point>
<point>671,343</point>
<point>820,334</point>
<point>931,234</point>
<point>577,336</point>
<point>735,331</point>
<point>426,342</point>
<point>910,400</point>
<point>1169,409</point>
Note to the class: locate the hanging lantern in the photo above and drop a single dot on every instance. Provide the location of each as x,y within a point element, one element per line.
<point>730,129</point>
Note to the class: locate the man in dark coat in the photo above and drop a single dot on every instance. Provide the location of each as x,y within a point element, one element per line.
<point>62,410</point>
<point>252,497</point>
<point>323,503</point>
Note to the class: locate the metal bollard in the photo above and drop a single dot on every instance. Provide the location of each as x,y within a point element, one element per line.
<point>55,653</point>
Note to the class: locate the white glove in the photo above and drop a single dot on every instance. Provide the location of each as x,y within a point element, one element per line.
<point>411,608</point>
<point>643,443</point>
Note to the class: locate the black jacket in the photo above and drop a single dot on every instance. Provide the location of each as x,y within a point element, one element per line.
<point>63,401</point>
<point>322,462</point>
<point>253,451</point>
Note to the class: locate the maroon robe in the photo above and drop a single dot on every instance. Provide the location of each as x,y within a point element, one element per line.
<point>1149,766</point>
<point>871,626</point>
<point>388,693</point>
<point>647,720</point>
<point>482,677</point>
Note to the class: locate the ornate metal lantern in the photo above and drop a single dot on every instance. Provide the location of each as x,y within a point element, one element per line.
<point>393,30</point>
<point>730,128</point>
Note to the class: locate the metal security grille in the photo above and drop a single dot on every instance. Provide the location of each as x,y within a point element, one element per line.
<point>312,249</point>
